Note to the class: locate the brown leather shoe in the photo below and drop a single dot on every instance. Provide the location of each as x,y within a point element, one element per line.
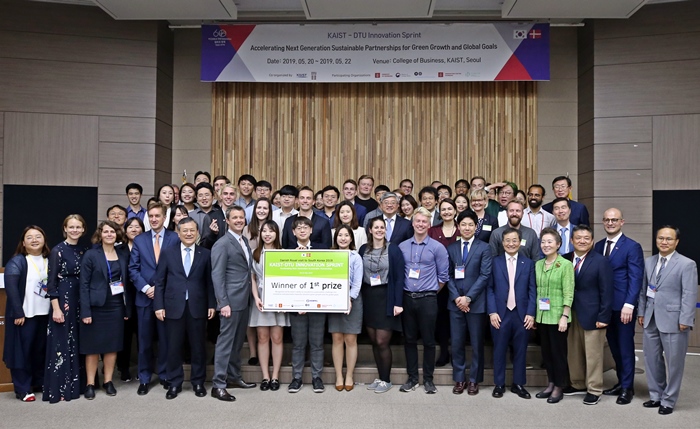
<point>459,387</point>
<point>472,388</point>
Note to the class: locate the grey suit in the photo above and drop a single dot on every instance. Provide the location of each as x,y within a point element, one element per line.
<point>673,304</point>
<point>231,278</point>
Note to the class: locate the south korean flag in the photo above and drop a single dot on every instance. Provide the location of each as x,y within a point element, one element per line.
<point>519,34</point>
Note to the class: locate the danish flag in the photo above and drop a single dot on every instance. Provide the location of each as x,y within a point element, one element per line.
<point>535,34</point>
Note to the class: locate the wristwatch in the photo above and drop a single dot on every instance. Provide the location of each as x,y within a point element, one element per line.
<point>468,298</point>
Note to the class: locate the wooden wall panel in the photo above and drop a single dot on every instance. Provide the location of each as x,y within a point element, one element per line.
<point>635,209</point>
<point>57,150</point>
<point>645,49</point>
<point>113,181</point>
<point>127,155</point>
<point>676,152</point>
<point>623,130</point>
<point>127,130</point>
<point>316,134</point>
<point>63,48</point>
<point>630,156</point>
<point>653,19</point>
<point>77,88</point>
<point>664,88</point>
<point>610,183</point>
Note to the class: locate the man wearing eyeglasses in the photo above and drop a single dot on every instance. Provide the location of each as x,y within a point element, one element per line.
<point>667,313</point>
<point>562,188</point>
<point>627,261</point>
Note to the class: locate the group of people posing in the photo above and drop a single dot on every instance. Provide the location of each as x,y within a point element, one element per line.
<point>441,268</point>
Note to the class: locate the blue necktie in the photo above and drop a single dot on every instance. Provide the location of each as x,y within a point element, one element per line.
<point>564,249</point>
<point>465,253</point>
<point>188,265</point>
<point>389,229</point>
<point>576,266</point>
<point>658,273</point>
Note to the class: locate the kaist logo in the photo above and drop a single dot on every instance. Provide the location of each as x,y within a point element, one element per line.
<point>219,33</point>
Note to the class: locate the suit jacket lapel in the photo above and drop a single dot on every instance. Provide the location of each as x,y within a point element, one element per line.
<point>584,264</point>
<point>518,269</point>
<point>103,261</point>
<point>670,264</point>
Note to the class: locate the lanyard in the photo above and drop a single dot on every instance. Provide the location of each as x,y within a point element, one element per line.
<point>420,256</point>
<point>370,260</point>
<point>109,269</point>
<point>43,274</point>
<point>541,225</point>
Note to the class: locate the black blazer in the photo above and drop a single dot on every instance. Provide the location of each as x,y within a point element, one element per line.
<point>172,282</point>
<point>209,237</point>
<point>15,287</point>
<point>94,280</point>
<point>594,290</point>
<point>395,282</point>
<point>320,236</point>
<point>485,236</point>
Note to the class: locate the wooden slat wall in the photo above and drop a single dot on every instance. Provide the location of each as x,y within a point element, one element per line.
<point>320,134</point>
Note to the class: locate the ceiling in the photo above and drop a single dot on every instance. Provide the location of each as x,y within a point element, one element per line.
<point>194,12</point>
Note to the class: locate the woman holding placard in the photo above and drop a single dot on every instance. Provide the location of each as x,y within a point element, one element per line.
<point>269,325</point>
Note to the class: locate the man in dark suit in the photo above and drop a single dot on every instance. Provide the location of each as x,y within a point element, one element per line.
<point>213,224</point>
<point>592,308</point>
<point>511,297</point>
<point>184,300</point>
<point>561,186</point>
<point>142,270</point>
<point>350,194</point>
<point>667,313</point>
<point>627,261</point>
<point>470,273</point>
<point>231,263</point>
<point>321,235</point>
<point>398,229</point>
<point>562,213</point>
<point>428,198</point>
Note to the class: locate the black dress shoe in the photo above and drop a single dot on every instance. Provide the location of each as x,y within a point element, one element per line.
<point>199,390</point>
<point>253,361</point>
<point>275,384</point>
<point>90,391</point>
<point>555,399</point>
<point>143,389</point>
<point>459,387</point>
<point>172,392</point>
<point>651,404</point>
<point>498,391</point>
<point>109,389</point>
<point>665,410</point>
<point>519,390</point>
<point>265,385</point>
<point>543,394</point>
<point>239,383</point>
<point>165,384</point>
<point>614,391</point>
<point>625,397</point>
<point>222,395</point>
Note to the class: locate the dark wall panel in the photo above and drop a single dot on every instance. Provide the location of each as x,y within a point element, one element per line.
<point>45,206</point>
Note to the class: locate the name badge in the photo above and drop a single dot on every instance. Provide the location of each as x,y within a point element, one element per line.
<point>375,279</point>
<point>486,227</point>
<point>651,291</point>
<point>40,289</point>
<point>459,272</point>
<point>116,287</point>
<point>413,274</point>
<point>544,304</point>
<point>523,242</point>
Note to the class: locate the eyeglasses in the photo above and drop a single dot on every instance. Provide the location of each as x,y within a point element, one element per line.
<point>665,239</point>
<point>561,187</point>
<point>506,193</point>
<point>613,220</point>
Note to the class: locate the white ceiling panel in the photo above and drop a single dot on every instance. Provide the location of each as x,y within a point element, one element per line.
<point>368,9</point>
<point>169,9</point>
<point>534,9</point>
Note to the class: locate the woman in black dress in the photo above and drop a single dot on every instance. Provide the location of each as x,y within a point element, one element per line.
<point>382,295</point>
<point>26,313</point>
<point>63,364</point>
<point>104,305</point>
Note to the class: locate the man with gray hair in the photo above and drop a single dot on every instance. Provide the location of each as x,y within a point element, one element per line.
<point>398,229</point>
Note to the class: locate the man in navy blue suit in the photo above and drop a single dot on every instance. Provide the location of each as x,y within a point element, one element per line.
<point>561,186</point>
<point>184,300</point>
<point>142,270</point>
<point>398,229</point>
<point>470,274</point>
<point>592,308</point>
<point>511,298</point>
<point>627,261</point>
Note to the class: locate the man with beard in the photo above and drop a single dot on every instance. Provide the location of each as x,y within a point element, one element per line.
<point>530,243</point>
<point>533,216</point>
